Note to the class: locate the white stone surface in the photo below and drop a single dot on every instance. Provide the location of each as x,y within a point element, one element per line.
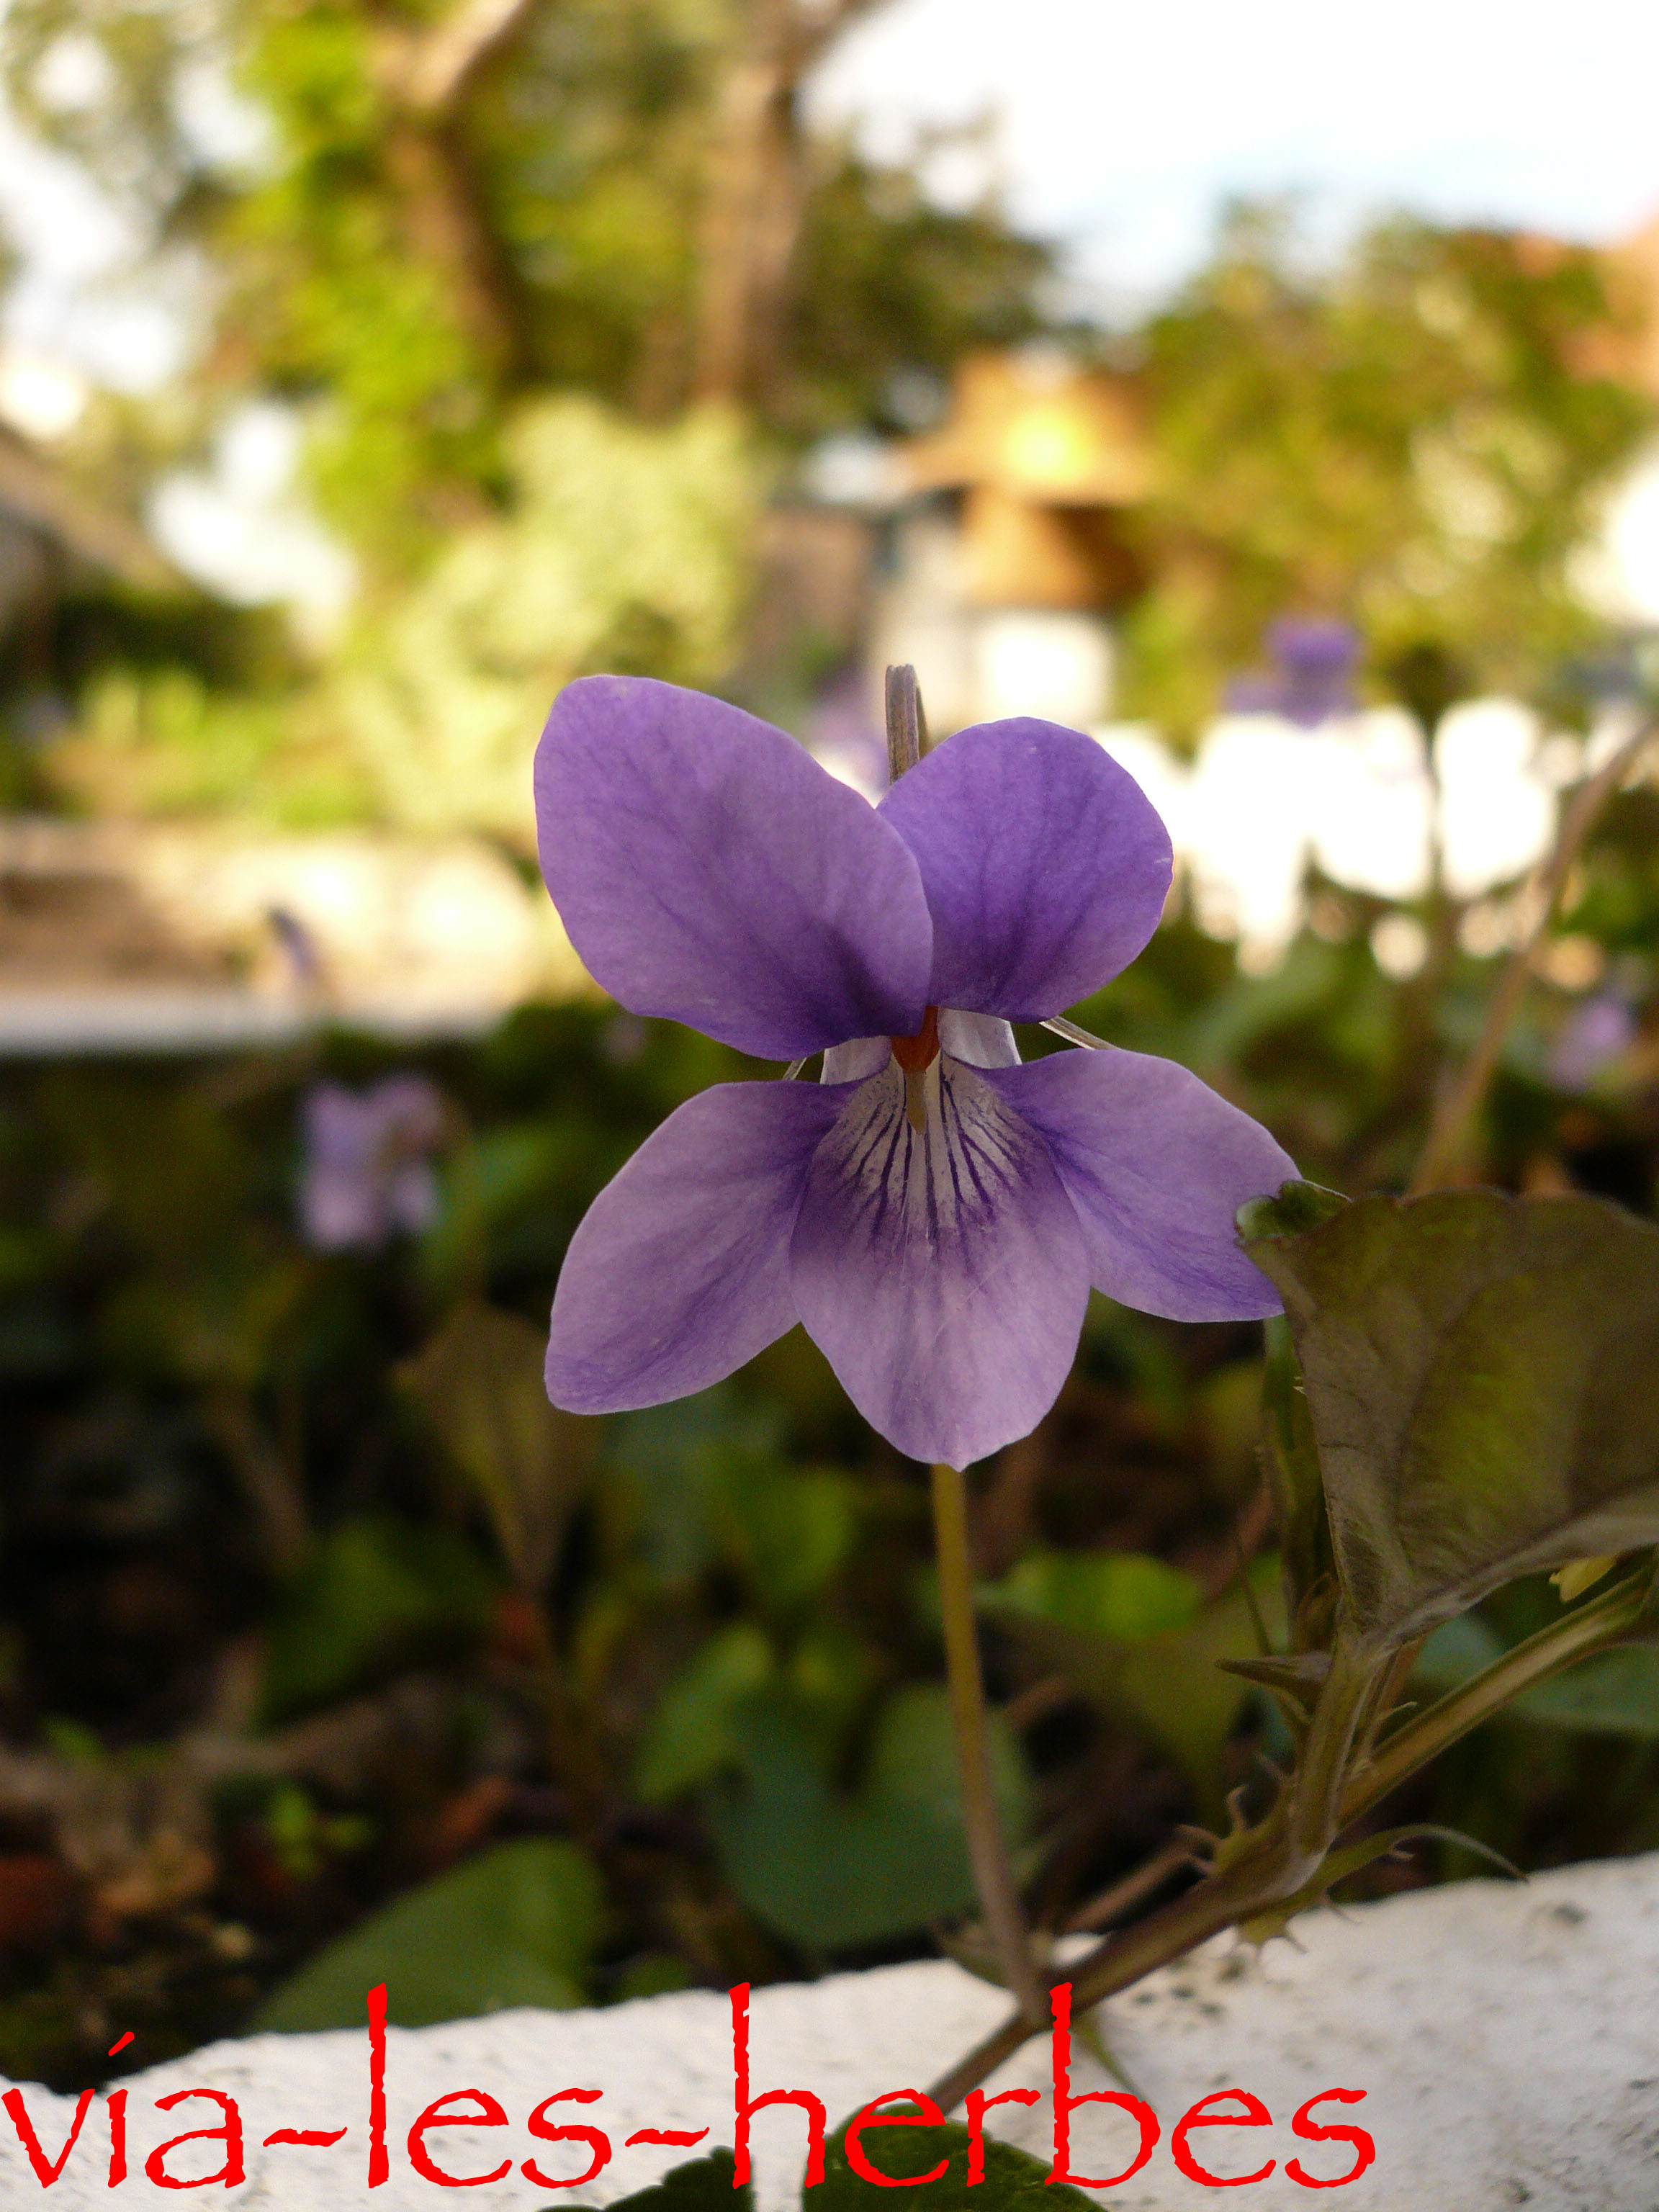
<point>1506,2038</point>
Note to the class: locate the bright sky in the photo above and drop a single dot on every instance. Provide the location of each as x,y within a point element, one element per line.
<point>1121,127</point>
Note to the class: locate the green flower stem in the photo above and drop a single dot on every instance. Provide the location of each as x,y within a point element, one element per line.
<point>993,1877</point>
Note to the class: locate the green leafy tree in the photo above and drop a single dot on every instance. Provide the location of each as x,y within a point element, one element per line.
<point>456,205</point>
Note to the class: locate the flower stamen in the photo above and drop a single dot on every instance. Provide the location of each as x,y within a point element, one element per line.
<point>915,1055</point>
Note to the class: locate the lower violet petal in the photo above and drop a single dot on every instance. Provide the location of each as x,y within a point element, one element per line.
<point>1156,1165</point>
<point>680,1269</point>
<point>942,1274</point>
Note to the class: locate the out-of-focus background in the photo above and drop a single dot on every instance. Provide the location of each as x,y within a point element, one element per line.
<point>1273,394</point>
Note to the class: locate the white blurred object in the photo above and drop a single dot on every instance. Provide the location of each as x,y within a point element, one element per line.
<point>1617,573</point>
<point>1496,807</point>
<point>854,469</point>
<point>1400,944</point>
<point>1263,798</point>
<point>1371,814</point>
<point>400,936</point>
<point>42,398</point>
<point>1249,821</point>
<point>244,531</point>
<point>922,617</point>
<point>1054,664</point>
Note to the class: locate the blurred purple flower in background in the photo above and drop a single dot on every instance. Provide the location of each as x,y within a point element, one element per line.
<point>933,1211</point>
<point>1311,679</point>
<point>366,1172</point>
<point>1598,1032</point>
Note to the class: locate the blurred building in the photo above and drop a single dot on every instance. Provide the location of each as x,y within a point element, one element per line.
<point>1007,554</point>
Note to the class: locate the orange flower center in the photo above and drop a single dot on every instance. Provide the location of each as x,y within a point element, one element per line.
<point>915,1055</point>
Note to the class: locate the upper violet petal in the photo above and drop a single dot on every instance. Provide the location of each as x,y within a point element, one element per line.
<point>679,1271</point>
<point>944,1274</point>
<point>708,870</point>
<point>1156,1165</point>
<point>1045,864</point>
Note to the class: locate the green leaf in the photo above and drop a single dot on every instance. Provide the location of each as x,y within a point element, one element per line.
<point>376,1593</point>
<point>692,1736</point>
<point>518,1925</point>
<point>1011,2177</point>
<point>829,1868</point>
<point>787,1530</point>
<point>1610,1693</point>
<point>668,1460</point>
<point>1169,1682</point>
<point>479,1381</point>
<point>1479,1369</point>
<point>703,2185</point>
<point>1123,1595</point>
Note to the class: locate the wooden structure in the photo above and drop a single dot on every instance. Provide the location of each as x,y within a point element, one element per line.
<point>1009,556</point>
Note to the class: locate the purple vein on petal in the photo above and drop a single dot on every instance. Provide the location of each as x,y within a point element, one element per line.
<point>942,1272</point>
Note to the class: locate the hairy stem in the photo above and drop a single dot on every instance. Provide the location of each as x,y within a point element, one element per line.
<point>993,1875</point>
<point>1459,1104</point>
<point>1164,1936</point>
<point>1261,1873</point>
<point>1348,1698</point>
<point>1603,1621</point>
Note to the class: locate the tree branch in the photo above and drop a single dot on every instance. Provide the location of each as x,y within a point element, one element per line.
<point>441,63</point>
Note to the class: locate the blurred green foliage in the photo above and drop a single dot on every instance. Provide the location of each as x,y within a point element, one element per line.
<point>517,1925</point>
<point>1416,440</point>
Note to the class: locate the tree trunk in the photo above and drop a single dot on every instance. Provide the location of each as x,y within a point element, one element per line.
<point>755,196</point>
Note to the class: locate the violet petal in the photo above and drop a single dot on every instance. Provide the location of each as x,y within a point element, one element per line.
<point>1045,864</point>
<point>1156,1165</point>
<point>708,870</point>
<point>943,1275</point>
<point>679,1271</point>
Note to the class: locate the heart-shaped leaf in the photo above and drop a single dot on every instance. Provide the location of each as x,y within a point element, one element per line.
<point>479,1381</point>
<point>1479,1373</point>
<point>1133,1636</point>
<point>518,1925</point>
<point>829,1868</point>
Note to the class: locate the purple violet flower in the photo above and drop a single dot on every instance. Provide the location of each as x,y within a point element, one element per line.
<point>1596,1033</point>
<point>366,1171</point>
<point>1312,681</point>
<point>933,1211</point>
